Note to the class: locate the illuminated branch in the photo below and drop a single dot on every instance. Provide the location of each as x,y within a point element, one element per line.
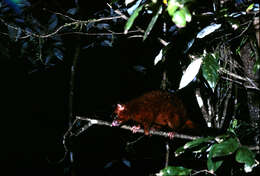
<point>105,123</point>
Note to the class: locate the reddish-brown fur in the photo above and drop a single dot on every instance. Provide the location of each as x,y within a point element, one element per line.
<point>154,110</point>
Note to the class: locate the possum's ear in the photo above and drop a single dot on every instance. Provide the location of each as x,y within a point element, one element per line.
<point>120,107</point>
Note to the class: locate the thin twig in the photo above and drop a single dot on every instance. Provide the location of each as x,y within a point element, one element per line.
<point>167,154</point>
<point>75,23</point>
<point>95,34</point>
<point>249,24</point>
<point>222,70</point>
<point>71,91</point>
<point>133,142</point>
<point>224,113</point>
<point>203,171</point>
<point>231,80</point>
<point>67,134</point>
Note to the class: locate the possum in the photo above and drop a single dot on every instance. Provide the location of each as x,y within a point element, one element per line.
<point>155,110</point>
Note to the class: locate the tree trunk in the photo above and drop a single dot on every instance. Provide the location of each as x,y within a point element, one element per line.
<point>253,96</point>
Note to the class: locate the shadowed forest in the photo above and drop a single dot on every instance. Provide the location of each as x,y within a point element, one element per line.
<point>129,87</point>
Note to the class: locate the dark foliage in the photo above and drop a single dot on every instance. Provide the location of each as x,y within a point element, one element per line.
<point>47,53</point>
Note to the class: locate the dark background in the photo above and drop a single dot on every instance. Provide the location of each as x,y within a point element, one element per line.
<point>34,105</point>
<point>35,116</point>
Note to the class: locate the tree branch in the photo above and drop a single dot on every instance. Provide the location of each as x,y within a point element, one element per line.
<point>105,123</point>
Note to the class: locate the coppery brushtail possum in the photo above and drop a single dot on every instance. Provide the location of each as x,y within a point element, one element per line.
<point>154,110</point>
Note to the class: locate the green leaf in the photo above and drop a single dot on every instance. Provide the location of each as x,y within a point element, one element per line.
<point>192,144</point>
<point>197,142</point>
<point>179,18</point>
<point>190,73</point>
<point>210,70</point>
<point>250,7</point>
<point>244,155</point>
<point>173,171</point>
<point>232,126</point>
<point>227,147</point>
<point>224,148</point>
<point>202,149</point>
<point>172,7</point>
<point>152,22</point>
<point>213,166</point>
<point>208,30</point>
<point>179,151</point>
<point>131,20</point>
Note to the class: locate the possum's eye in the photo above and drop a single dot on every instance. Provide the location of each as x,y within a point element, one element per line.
<point>120,107</point>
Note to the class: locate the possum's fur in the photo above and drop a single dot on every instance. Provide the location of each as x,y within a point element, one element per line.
<point>154,110</point>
